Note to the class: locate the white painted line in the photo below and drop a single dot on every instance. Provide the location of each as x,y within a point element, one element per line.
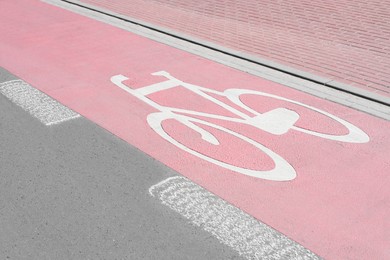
<point>38,104</point>
<point>251,238</point>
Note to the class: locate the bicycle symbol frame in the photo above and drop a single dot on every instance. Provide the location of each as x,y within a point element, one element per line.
<point>277,121</point>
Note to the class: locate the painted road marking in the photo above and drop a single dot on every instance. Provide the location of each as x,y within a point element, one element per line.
<point>277,121</point>
<point>233,227</point>
<point>337,206</point>
<point>38,104</point>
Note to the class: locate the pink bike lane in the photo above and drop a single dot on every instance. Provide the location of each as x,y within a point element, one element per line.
<point>338,203</point>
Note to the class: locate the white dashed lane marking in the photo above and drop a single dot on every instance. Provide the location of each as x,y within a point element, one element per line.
<point>38,104</point>
<point>251,238</point>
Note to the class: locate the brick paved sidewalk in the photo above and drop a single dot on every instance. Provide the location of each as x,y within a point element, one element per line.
<point>342,43</point>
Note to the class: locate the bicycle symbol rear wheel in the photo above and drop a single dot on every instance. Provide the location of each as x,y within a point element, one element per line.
<point>282,171</point>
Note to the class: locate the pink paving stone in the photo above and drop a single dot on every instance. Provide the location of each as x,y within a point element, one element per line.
<point>343,31</point>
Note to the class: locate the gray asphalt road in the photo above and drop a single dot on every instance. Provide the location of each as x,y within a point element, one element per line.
<point>75,191</point>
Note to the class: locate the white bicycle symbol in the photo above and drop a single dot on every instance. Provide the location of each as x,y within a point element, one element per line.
<point>277,121</point>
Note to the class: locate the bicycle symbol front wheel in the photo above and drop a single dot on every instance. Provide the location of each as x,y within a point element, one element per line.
<point>282,171</point>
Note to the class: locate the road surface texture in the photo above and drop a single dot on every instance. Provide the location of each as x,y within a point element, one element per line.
<point>75,191</point>
<point>247,157</point>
